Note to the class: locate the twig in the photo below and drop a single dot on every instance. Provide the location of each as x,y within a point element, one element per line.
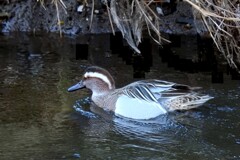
<point>91,15</point>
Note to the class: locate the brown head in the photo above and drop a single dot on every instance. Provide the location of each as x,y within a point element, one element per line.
<point>96,79</point>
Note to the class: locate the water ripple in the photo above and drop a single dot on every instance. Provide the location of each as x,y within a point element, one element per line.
<point>79,107</point>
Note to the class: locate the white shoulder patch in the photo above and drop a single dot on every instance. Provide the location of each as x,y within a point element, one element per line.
<point>100,76</point>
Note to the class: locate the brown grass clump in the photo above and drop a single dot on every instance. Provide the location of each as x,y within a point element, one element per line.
<point>221,18</point>
<point>57,3</point>
<point>131,16</point>
<point>222,21</point>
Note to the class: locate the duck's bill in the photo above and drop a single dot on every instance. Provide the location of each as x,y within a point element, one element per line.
<point>76,87</point>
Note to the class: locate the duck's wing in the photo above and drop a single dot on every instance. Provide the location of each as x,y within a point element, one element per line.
<point>170,95</point>
<point>154,90</point>
<point>139,90</point>
<point>177,96</point>
<point>165,89</point>
<point>148,90</point>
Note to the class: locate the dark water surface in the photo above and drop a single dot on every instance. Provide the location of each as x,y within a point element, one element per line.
<point>39,119</point>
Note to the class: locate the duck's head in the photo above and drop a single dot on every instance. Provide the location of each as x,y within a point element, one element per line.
<point>96,79</point>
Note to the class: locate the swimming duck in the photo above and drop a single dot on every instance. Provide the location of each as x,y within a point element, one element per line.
<point>143,99</point>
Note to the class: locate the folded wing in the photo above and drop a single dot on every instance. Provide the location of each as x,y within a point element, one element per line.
<point>170,95</point>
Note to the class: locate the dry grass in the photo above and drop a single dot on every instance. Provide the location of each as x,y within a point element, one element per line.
<point>57,3</point>
<point>222,20</point>
<point>131,17</point>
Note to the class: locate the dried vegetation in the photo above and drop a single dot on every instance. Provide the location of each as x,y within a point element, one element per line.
<point>221,18</point>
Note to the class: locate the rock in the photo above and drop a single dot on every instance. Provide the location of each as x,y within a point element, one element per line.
<point>76,155</point>
<point>96,11</point>
<point>159,11</point>
<point>80,8</point>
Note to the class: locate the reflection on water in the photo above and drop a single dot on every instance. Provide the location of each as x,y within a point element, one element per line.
<point>39,119</point>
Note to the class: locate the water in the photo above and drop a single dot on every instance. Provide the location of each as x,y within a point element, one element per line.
<point>39,119</point>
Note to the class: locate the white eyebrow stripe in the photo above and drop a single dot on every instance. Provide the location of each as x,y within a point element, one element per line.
<point>100,76</point>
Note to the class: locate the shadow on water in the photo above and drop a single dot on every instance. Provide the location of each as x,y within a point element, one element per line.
<point>39,119</point>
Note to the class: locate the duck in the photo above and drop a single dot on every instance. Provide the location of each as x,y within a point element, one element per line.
<point>143,99</point>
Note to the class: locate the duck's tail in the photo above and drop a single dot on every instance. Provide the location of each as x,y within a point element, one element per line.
<point>185,102</point>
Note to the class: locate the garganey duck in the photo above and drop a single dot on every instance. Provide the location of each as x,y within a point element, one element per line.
<point>143,99</point>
